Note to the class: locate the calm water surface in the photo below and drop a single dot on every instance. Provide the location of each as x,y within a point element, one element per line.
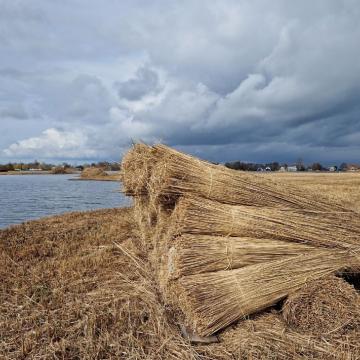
<point>27,197</point>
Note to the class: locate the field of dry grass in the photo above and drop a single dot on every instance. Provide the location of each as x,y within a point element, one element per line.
<point>79,286</point>
<point>55,277</point>
<point>343,187</point>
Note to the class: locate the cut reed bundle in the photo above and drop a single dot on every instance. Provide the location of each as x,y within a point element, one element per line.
<point>144,219</point>
<point>323,307</point>
<point>212,301</point>
<point>196,254</point>
<point>136,168</point>
<point>165,173</point>
<point>268,337</point>
<point>320,229</point>
<point>151,220</point>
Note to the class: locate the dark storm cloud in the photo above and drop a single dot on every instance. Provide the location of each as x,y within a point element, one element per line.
<point>250,80</point>
<point>14,112</point>
<point>145,82</point>
<point>11,73</point>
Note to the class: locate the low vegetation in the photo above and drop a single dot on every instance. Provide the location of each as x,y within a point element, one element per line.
<point>43,166</point>
<point>59,170</point>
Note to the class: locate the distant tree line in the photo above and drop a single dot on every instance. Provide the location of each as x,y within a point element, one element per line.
<point>14,166</point>
<point>275,166</point>
<point>248,166</point>
<point>108,166</point>
<point>115,166</point>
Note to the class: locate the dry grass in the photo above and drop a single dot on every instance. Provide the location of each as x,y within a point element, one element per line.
<point>268,337</point>
<point>78,287</point>
<point>92,172</point>
<point>98,174</point>
<point>69,291</point>
<point>324,307</point>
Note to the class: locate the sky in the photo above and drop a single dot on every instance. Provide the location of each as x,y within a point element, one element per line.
<point>250,80</point>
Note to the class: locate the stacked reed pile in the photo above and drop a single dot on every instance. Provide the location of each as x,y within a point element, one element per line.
<point>156,176</point>
<point>227,244</point>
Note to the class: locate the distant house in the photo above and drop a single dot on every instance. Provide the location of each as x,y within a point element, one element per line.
<point>332,168</point>
<point>267,168</point>
<point>260,169</point>
<point>282,168</point>
<point>292,168</point>
<point>353,167</point>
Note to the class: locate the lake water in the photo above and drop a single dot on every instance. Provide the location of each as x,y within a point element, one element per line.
<point>27,197</point>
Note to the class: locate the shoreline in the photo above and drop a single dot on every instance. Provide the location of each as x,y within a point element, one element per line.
<point>61,218</point>
<point>94,179</point>
<point>26,173</point>
<point>113,176</point>
<point>21,173</point>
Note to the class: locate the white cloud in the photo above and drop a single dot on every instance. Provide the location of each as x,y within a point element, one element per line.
<point>52,143</point>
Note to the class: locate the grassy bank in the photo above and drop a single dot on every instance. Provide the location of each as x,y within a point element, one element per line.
<point>26,173</point>
<point>79,286</point>
<point>111,177</point>
<point>59,295</point>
